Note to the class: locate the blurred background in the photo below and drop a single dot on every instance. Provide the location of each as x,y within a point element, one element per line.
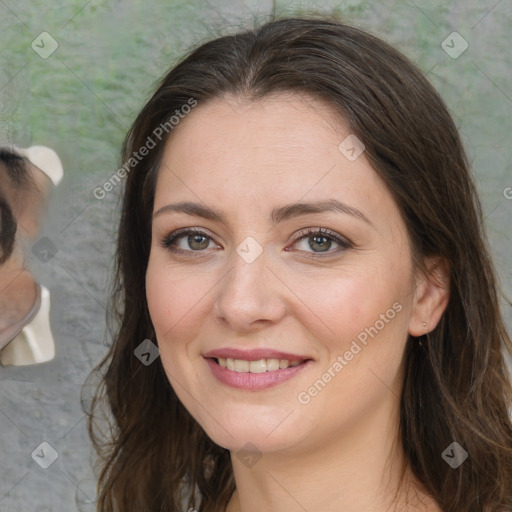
<point>73,76</point>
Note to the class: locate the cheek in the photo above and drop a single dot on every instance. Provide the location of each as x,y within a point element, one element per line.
<point>178,301</point>
<point>169,300</point>
<point>362,324</point>
<point>173,296</point>
<point>338,308</point>
<point>361,317</point>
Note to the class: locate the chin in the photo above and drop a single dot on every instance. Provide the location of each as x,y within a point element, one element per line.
<point>266,434</point>
<point>251,440</point>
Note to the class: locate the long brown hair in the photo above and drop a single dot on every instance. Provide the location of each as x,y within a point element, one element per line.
<point>155,457</point>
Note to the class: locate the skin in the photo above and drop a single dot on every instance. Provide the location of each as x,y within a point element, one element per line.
<point>17,296</point>
<point>341,450</point>
<point>17,285</point>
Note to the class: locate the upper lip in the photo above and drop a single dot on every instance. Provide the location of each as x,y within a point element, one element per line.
<point>254,354</point>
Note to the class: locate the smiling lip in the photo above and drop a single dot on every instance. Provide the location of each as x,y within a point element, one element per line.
<point>254,355</point>
<point>254,381</point>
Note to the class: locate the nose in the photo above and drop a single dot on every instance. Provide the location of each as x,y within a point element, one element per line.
<point>250,296</point>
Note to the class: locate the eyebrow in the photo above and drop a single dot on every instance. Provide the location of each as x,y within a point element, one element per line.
<point>278,215</point>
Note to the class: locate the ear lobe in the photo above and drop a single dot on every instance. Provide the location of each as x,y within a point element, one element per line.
<point>431,297</point>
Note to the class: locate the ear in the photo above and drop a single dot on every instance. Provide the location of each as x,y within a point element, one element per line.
<point>430,297</point>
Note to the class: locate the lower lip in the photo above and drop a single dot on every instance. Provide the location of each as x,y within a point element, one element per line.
<point>254,381</point>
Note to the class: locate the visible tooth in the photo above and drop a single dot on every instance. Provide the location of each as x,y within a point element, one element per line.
<point>241,365</point>
<point>272,364</point>
<point>258,366</point>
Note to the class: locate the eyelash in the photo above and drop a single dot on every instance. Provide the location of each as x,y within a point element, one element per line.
<point>169,241</point>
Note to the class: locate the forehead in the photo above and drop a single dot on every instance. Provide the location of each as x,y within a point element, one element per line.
<point>285,126</point>
<point>279,149</point>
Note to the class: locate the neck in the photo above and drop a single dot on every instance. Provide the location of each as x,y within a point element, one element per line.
<point>359,469</point>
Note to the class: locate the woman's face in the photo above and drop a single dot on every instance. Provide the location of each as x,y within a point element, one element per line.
<point>258,281</point>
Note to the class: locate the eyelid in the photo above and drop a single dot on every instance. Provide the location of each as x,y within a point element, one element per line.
<point>190,231</point>
<point>341,240</point>
<point>169,239</point>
